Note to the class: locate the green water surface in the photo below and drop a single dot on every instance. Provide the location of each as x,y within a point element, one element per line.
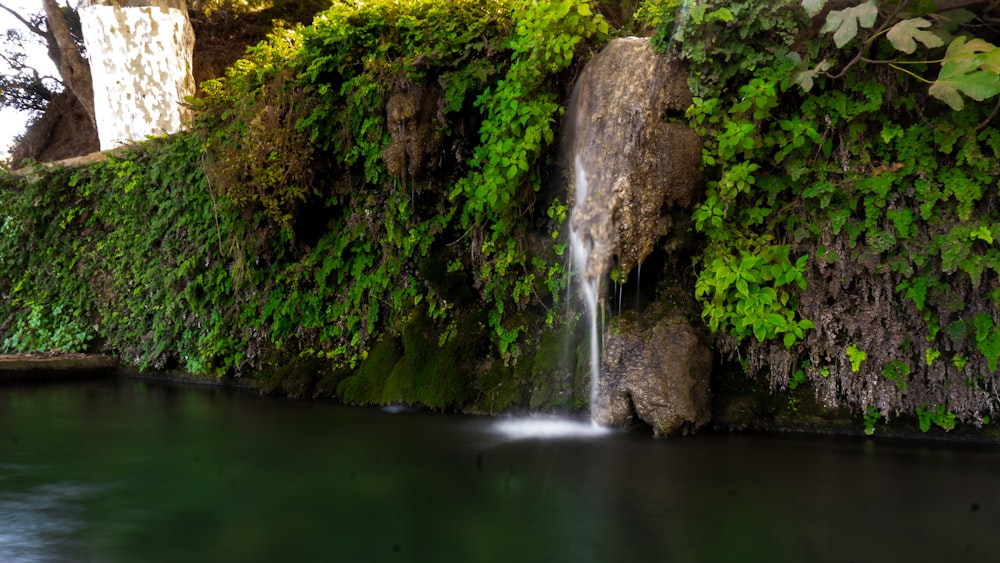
<point>131,470</point>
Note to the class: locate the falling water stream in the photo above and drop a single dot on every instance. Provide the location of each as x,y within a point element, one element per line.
<point>588,272</point>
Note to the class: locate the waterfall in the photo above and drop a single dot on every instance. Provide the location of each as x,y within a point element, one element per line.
<point>585,249</point>
<point>629,167</point>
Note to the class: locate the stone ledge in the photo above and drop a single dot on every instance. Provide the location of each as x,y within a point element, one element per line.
<point>74,162</point>
<point>47,366</point>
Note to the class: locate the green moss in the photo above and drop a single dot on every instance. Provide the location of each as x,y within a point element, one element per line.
<point>328,380</point>
<point>434,372</point>
<point>423,365</point>
<point>364,386</point>
<point>499,388</point>
<point>294,377</point>
<point>552,374</point>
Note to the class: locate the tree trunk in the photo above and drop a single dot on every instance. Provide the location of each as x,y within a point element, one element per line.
<point>75,70</point>
<point>140,60</point>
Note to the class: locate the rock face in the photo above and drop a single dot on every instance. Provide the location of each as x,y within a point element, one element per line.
<point>656,368</point>
<point>634,160</point>
<point>413,123</point>
<point>140,53</point>
<point>627,135</point>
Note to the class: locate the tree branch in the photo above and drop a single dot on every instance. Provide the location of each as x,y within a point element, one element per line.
<point>33,28</point>
<point>996,109</point>
<point>74,69</point>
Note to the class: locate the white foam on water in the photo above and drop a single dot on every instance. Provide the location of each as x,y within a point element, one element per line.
<point>547,427</point>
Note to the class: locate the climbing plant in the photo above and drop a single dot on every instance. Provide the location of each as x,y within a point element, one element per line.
<point>345,183</point>
<point>851,194</point>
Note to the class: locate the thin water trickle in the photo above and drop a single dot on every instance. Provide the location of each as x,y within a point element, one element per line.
<point>569,284</point>
<point>620,288</point>
<point>583,247</point>
<point>682,16</point>
<point>638,278</point>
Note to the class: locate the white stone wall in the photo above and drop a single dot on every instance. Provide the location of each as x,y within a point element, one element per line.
<point>140,59</point>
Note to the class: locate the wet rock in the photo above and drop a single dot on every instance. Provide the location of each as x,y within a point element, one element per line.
<point>736,413</point>
<point>413,121</point>
<point>627,134</point>
<point>656,369</point>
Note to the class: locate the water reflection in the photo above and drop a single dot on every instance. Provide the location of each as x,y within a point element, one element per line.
<point>37,525</point>
<point>131,471</point>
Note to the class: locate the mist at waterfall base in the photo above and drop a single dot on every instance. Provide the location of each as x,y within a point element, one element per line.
<point>126,470</point>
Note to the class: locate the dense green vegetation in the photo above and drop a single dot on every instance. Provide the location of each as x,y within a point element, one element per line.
<point>357,192</point>
<point>381,167</point>
<point>853,190</point>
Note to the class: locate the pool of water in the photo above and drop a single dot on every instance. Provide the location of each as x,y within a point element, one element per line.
<point>129,470</point>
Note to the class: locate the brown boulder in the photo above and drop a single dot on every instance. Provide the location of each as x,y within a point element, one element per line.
<point>656,368</point>
<point>628,135</point>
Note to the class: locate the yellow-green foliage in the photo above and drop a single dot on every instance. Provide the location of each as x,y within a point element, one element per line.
<point>257,158</point>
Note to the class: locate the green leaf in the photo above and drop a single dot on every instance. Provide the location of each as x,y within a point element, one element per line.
<point>982,233</point>
<point>930,355</point>
<point>722,14</point>
<point>990,347</point>
<point>906,33</point>
<point>789,339</point>
<point>990,60</point>
<point>813,7</point>
<point>968,68</point>
<point>741,286</point>
<point>844,23</point>
<point>776,320</point>
<point>805,78</point>
<point>759,332</point>
<point>856,356</point>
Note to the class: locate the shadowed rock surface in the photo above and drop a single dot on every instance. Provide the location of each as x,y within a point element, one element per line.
<point>656,368</point>
<point>638,163</point>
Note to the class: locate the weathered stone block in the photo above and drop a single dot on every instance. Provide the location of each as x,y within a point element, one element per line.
<point>656,368</point>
